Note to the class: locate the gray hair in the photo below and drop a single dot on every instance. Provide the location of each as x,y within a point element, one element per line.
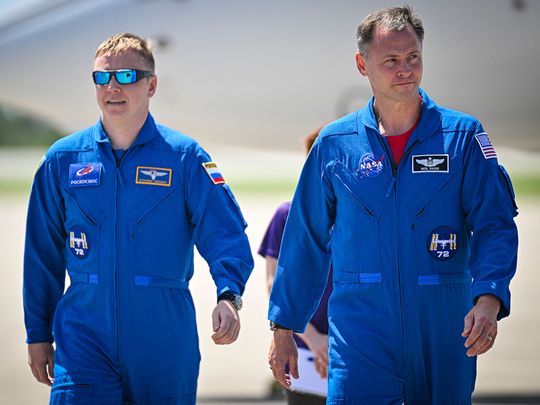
<point>391,19</point>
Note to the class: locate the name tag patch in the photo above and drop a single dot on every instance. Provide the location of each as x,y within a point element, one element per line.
<point>214,173</point>
<point>430,163</point>
<point>84,174</point>
<point>78,242</point>
<point>154,176</point>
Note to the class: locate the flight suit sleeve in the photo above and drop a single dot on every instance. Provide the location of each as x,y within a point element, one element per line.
<point>219,227</point>
<point>44,259</point>
<point>304,258</point>
<point>488,202</point>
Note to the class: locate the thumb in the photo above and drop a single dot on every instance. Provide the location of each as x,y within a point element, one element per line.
<point>468,324</point>
<point>50,366</point>
<point>293,367</point>
<point>216,320</point>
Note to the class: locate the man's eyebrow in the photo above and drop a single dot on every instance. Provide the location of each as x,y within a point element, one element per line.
<point>394,54</point>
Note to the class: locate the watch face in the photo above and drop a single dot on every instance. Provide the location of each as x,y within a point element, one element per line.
<point>238,302</point>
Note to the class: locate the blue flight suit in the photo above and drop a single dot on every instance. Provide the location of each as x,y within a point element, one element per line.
<point>124,229</point>
<point>413,247</point>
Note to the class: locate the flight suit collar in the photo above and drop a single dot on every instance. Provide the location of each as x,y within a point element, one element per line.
<point>146,133</point>
<point>430,120</point>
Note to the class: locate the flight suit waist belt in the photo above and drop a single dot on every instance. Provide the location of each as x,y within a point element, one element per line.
<point>93,278</point>
<point>423,279</point>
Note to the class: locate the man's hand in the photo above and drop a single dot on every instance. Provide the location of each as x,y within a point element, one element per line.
<point>317,342</point>
<point>225,322</point>
<point>283,351</point>
<point>41,362</point>
<point>481,325</point>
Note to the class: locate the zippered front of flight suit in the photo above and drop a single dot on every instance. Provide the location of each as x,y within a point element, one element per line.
<point>119,184</point>
<point>393,189</point>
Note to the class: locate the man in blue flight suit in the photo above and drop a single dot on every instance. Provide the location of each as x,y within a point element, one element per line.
<point>418,216</point>
<point>120,206</point>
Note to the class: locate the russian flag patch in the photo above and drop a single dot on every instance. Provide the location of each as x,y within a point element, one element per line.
<point>214,173</point>
<point>485,145</point>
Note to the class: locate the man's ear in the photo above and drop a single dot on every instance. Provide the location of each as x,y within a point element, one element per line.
<point>152,86</point>
<point>361,64</point>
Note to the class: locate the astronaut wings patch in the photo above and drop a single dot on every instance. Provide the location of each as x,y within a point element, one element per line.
<point>213,172</point>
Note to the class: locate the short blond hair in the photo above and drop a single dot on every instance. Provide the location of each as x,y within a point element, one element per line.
<point>127,42</point>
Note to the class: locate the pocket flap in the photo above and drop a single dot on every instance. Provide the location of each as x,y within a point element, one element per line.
<point>358,190</point>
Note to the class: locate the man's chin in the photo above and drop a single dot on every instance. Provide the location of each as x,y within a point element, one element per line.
<point>115,110</point>
<point>114,116</point>
<point>406,92</point>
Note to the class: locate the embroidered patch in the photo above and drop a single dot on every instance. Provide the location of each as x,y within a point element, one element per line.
<point>369,166</point>
<point>430,163</point>
<point>84,174</point>
<point>486,146</point>
<point>443,243</point>
<point>79,243</point>
<point>153,176</point>
<point>214,173</point>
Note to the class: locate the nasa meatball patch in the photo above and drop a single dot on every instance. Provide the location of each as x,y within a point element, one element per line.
<point>443,243</point>
<point>84,174</point>
<point>153,176</point>
<point>430,163</point>
<point>369,166</point>
<point>79,243</point>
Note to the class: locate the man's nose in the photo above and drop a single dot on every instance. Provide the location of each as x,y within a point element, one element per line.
<point>404,69</point>
<point>113,85</point>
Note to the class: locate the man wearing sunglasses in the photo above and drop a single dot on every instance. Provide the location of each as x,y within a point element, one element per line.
<point>120,206</point>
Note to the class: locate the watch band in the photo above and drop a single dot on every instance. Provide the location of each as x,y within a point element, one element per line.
<point>235,299</point>
<point>275,326</point>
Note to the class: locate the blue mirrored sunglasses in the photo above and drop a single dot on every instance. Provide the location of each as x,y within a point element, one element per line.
<point>122,76</point>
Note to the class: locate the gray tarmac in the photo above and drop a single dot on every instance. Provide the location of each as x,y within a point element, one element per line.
<point>238,374</point>
<point>486,401</point>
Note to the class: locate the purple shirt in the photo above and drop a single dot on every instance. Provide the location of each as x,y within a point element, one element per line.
<point>270,247</point>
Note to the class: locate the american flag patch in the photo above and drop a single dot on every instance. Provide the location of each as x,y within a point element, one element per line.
<point>485,145</point>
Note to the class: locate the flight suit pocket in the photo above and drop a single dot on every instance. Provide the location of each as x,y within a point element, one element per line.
<point>440,235</point>
<point>82,240</point>
<point>507,183</point>
<point>157,229</point>
<point>236,207</point>
<point>68,389</point>
<point>355,236</point>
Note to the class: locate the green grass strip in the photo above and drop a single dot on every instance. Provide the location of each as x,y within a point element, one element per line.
<point>524,185</point>
<point>15,186</point>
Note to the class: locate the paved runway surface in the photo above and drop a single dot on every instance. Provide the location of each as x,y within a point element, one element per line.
<point>483,400</point>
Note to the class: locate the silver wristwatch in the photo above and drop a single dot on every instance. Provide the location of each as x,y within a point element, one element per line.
<point>235,299</point>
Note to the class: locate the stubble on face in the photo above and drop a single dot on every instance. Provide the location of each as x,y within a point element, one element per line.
<point>123,102</point>
<point>394,64</point>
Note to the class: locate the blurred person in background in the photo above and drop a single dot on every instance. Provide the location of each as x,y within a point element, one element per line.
<point>120,206</point>
<point>311,387</point>
<point>408,201</point>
